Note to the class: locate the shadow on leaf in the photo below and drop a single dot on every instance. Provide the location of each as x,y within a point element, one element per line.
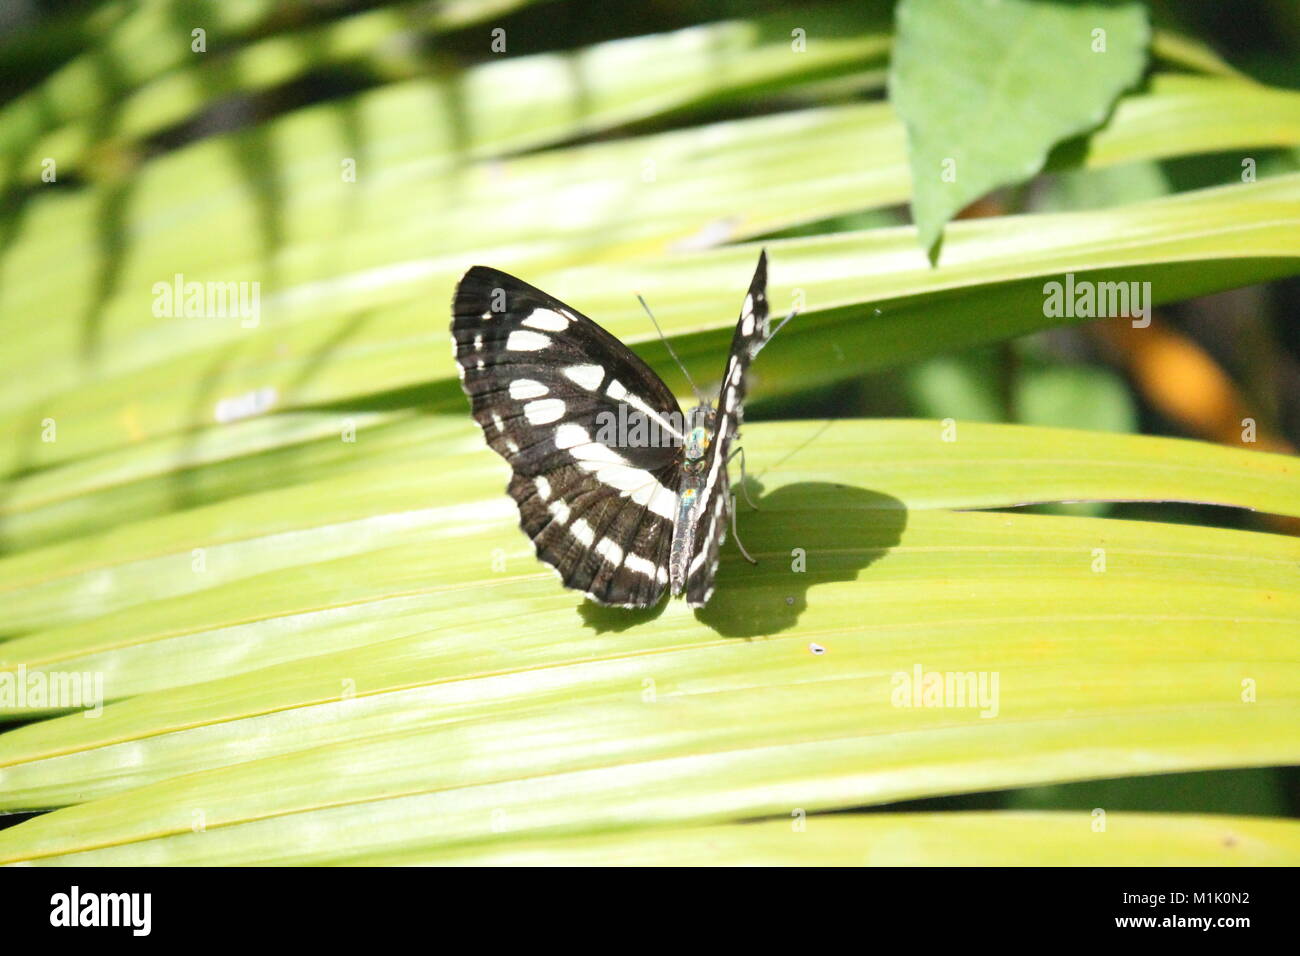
<point>803,534</point>
<point>601,619</point>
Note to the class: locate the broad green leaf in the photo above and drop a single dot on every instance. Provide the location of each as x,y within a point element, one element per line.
<point>1224,108</point>
<point>511,104</point>
<point>1089,397</point>
<point>1179,49</point>
<point>129,46</point>
<point>377,492</point>
<point>40,270</point>
<point>910,839</point>
<point>143,75</point>
<point>987,89</point>
<point>870,300</point>
<point>650,726</point>
<point>1257,793</point>
<point>415,691</point>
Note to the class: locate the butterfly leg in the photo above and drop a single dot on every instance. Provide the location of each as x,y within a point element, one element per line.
<point>736,536</point>
<point>744,485</point>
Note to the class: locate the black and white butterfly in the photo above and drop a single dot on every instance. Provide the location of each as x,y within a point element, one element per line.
<point>619,491</point>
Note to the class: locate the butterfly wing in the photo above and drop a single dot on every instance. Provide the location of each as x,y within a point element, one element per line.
<point>711,511</point>
<point>542,379</point>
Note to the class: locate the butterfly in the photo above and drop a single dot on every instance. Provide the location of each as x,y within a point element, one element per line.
<point>620,492</point>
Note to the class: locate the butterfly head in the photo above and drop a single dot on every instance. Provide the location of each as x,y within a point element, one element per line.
<point>699,433</point>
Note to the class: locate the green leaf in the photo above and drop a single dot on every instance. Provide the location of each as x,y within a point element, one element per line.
<point>510,104</point>
<point>142,76</point>
<point>319,517</point>
<point>1074,396</point>
<point>1189,53</point>
<point>1260,792</point>
<point>409,710</point>
<point>986,89</point>
<point>910,839</point>
<point>870,300</point>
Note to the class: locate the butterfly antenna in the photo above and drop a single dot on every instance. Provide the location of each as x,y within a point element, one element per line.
<point>780,325</point>
<point>698,394</point>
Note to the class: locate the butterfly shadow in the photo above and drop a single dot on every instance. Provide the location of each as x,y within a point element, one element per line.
<point>802,535</point>
<point>602,619</point>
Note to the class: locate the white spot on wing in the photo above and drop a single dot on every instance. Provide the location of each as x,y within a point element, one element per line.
<point>522,389</point>
<point>585,376</point>
<point>621,477</point>
<point>543,487</point>
<point>523,341</point>
<point>570,435</point>
<point>544,411</point>
<point>698,561</point>
<point>547,320</point>
<point>639,565</point>
<point>612,469</point>
<point>610,551</point>
<point>656,498</point>
<point>582,531</point>
<point>616,391</point>
<point>588,454</point>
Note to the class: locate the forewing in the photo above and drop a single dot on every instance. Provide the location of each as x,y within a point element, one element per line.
<point>711,511</point>
<point>542,380</point>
